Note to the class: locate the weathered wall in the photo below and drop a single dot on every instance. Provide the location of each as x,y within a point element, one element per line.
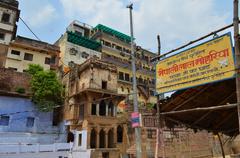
<point>11,80</point>
<point>18,109</point>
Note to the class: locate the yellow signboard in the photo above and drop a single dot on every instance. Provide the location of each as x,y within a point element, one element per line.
<point>208,62</point>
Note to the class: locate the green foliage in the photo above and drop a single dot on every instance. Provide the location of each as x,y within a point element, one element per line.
<point>34,68</point>
<point>47,90</point>
<point>20,90</point>
<point>150,106</point>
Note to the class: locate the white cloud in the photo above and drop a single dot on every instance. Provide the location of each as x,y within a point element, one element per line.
<point>177,21</point>
<point>43,16</point>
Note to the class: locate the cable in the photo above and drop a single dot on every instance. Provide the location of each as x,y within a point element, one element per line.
<point>29,28</point>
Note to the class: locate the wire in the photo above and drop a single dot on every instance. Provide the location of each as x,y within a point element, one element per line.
<point>29,28</point>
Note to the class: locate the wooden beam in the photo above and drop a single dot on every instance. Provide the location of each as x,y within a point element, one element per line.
<point>191,98</point>
<point>212,108</point>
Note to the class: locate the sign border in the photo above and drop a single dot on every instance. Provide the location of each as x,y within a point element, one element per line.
<point>234,60</point>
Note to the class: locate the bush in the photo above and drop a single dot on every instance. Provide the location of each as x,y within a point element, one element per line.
<point>20,90</point>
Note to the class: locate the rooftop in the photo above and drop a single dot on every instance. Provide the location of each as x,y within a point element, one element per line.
<point>113,32</point>
<point>31,43</point>
<point>82,41</point>
<point>12,3</point>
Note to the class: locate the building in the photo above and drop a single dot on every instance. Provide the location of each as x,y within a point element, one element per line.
<point>9,15</point>
<point>91,110</point>
<point>21,121</point>
<point>76,46</point>
<point>116,49</point>
<point>24,51</point>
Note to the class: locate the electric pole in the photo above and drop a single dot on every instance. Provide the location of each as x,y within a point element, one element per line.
<point>135,103</point>
<point>237,54</point>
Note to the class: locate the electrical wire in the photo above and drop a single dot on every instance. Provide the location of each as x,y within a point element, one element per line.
<point>29,28</point>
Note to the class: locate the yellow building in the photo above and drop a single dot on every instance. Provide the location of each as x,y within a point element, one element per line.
<point>24,51</point>
<point>116,49</point>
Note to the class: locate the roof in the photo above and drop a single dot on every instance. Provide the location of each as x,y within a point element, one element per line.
<point>82,41</point>
<point>113,32</point>
<point>32,43</point>
<point>224,119</point>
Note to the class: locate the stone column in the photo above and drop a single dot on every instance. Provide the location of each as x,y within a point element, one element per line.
<point>115,137</point>
<point>88,138</point>
<point>97,137</point>
<point>106,110</point>
<point>97,109</point>
<point>106,139</point>
<point>114,111</point>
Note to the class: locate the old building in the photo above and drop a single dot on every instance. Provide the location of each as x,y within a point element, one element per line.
<point>116,49</point>
<point>20,120</point>
<point>76,46</point>
<point>24,51</point>
<point>9,15</point>
<point>90,110</point>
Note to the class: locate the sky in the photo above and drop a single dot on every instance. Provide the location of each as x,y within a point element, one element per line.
<point>177,21</point>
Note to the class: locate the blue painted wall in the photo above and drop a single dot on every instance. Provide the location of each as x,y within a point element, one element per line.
<point>42,130</point>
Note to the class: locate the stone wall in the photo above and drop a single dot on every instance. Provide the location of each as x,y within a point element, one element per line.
<point>11,80</point>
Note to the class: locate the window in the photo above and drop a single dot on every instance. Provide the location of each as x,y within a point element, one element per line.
<point>119,134</point>
<point>121,76</point>
<point>30,121</point>
<point>122,89</point>
<point>94,109</point>
<point>149,133</point>
<point>85,55</point>
<point>15,52</point>
<point>73,51</point>
<point>104,84</point>
<point>28,57</point>
<point>80,140</point>
<point>79,33</point>
<point>6,18</point>
<point>127,78</point>
<point>4,120</point>
<point>2,36</point>
<point>81,112</point>
<point>12,68</point>
<point>128,90</point>
<point>47,61</point>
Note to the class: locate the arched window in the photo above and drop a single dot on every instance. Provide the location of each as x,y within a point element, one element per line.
<point>102,139</point>
<point>119,134</point>
<point>110,139</point>
<point>102,108</point>
<point>110,109</point>
<point>93,137</point>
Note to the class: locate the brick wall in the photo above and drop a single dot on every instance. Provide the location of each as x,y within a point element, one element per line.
<point>11,80</point>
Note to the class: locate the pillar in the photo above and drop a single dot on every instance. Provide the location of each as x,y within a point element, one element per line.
<point>106,139</point>
<point>106,109</point>
<point>88,138</point>
<point>97,137</point>
<point>114,111</point>
<point>115,137</point>
<point>97,109</point>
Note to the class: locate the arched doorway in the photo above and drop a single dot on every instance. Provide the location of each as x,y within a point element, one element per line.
<point>93,137</point>
<point>102,139</point>
<point>70,137</point>
<point>119,134</point>
<point>102,108</point>
<point>110,139</point>
<point>110,109</point>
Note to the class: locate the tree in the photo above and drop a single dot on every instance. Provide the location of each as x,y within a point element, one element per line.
<point>46,88</point>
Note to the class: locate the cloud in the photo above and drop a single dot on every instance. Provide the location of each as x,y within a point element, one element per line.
<point>44,16</point>
<point>38,13</point>
<point>176,21</point>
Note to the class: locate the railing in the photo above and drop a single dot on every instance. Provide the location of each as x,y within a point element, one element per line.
<point>27,148</point>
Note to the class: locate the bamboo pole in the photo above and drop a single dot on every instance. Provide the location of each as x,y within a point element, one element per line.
<point>228,106</point>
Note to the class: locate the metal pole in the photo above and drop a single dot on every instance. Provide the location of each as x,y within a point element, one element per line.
<point>237,54</point>
<point>135,103</point>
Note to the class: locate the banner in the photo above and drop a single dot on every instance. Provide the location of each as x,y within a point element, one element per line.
<point>208,62</point>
